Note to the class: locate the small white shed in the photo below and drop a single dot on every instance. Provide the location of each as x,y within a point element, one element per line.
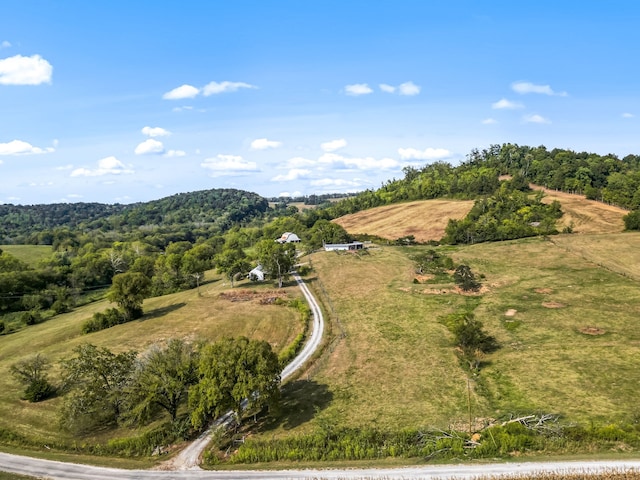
<point>257,274</point>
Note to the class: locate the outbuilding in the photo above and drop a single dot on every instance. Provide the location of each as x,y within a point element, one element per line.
<point>343,246</point>
<point>257,274</point>
<point>288,237</point>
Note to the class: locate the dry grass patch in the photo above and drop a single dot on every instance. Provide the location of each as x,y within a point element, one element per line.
<point>585,216</point>
<point>424,219</point>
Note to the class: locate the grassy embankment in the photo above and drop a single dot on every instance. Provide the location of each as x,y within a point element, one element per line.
<point>181,315</point>
<point>30,254</point>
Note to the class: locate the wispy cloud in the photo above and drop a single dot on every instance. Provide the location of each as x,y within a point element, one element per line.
<point>387,88</point>
<point>409,89</point>
<point>106,166</point>
<point>489,121</point>
<point>336,182</point>
<point>175,153</point>
<point>214,88</point>
<point>527,87</point>
<point>19,147</point>
<point>5,44</point>
<point>426,154</point>
<point>535,119</point>
<point>336,161</point>
<point>358,89</point>
<point>264,144</point>
<point>628,115</point>
<point>19,70</point>
<point>293,174</point>
<point>155,132</point>
<point>223,165</point>
<point>149,147</point>
<point>504,104</point>
<point>182,92</point>
<point>333,145</point>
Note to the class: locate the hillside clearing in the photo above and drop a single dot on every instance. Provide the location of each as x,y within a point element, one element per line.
<point>30,254</point>
<point>424,219</point>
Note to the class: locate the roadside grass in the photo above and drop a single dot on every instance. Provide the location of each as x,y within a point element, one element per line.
<point>30,254</point>
<point>181,315</point>
<point>424,219</point>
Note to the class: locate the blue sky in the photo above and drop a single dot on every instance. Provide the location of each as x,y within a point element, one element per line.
<point>126,101</point>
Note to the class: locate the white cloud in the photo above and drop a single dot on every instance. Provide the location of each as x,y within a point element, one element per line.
<point>489,121</point>
<point>155,132</point>
<point>214,88</point>
<point>536,119</point>
<point>527,87</point>
<point>335,182</point>
<point>149,146</point>
<point>387,88</point>
<point>74,195</point>
<point>228,165</point>
<point>263,144</point>
<point>106,166</point>
<point>5,44</point>
<point>175,153</point>
<point>358,89</point>
<point>408,88</point>
<point>65,167</point>
<point>293,174</point>
<point>181,109</point>
<point>183,91</point>
<point>506,104</point>
<point>18,147</point>
<point>628,115</point>
<point>19,70</point>
<point>296,162</point>
<point>366,163</point>
<point>426,154</point>
<point>333,145</point>
<point>297,193</point>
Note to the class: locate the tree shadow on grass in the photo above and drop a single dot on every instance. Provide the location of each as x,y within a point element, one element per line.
<point>162,311</point>
<point>299,403</point>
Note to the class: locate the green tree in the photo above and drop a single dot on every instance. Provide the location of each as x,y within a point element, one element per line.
<point>277,258</point>
<point>465,278</point>
<point>32,373</point>
<point>128,291</point>
<point>96,381</point>
<point>472,340</point>
<point>632,220</point>
<point>161,380</point>
<point>232,262</point>
<point>230,371</point>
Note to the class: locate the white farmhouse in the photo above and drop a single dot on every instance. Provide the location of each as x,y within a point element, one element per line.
<point>288,237</point>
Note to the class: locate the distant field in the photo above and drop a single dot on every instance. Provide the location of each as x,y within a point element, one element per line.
<point>30,254</point>
<point>568,330</point>
<point>181,315</point>
<point>424,219</point>
<point>586,216</point>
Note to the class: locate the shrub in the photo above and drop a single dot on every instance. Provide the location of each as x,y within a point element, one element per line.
<point>103,320</point>
<point>38,390</point>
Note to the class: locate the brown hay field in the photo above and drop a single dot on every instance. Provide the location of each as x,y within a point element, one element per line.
<point>585,216</point>
<point>211,316</point>
<point>424,219</point>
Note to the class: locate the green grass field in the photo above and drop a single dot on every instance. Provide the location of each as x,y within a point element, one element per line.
<point>182,315</point>
<point>567,326</point>
<point>30,254</point>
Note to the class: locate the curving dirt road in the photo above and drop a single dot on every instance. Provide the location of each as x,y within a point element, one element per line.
<point>189,457</point>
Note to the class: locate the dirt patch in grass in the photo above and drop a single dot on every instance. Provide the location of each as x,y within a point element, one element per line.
<point>424,278</point>
<point>544,291</point>
<point>553,305</point>
<point>592,331</point>
<point>263,298</point>
<point>511,312</point>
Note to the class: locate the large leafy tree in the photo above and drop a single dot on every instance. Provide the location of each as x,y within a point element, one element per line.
<point>230,371</point>
<point>96,380</point>
<point>277,258</point>
<point>232,262</point>
<point>161,380</point>
<point>128,290</point>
